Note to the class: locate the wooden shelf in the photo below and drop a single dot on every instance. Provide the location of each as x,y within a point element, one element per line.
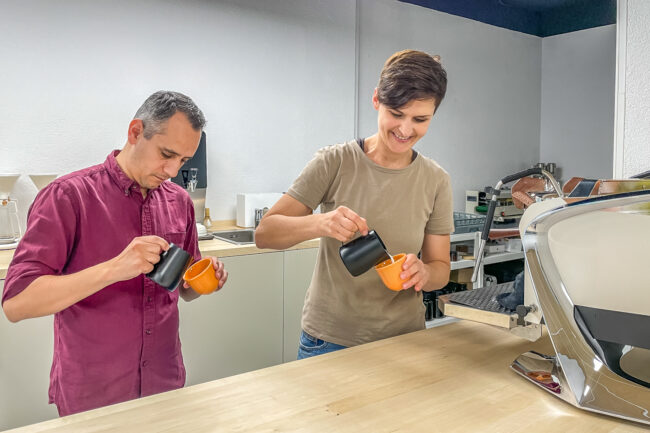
<point>463,237</point>
<point>462,264</point>
<point>502,257</point>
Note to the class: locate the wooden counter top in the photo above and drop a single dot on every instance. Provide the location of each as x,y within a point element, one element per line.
<point>5,259</point>
<point>453,378</point>
<point>213,247</point>
<point>219,248</point>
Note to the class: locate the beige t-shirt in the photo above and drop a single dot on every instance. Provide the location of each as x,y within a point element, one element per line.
<point>401,205</point>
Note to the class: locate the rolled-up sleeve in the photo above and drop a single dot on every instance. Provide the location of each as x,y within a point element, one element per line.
<point>192,239</point>
<point>441,220</point>
<point>47,243</point>
<point>313,182</point>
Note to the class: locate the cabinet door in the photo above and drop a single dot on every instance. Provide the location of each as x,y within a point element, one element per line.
<point>25,362</point>
<point>298,270</point>
<point>238,328</point>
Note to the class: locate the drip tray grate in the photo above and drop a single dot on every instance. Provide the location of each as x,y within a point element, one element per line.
<point>484,298</point>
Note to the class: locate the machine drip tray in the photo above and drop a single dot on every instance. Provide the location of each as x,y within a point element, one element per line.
<point>484,298</point>
<point>480,305</point>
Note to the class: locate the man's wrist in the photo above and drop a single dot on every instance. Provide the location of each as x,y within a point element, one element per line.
<point>105,273</point>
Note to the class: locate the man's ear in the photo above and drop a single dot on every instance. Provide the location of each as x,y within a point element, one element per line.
<point>136,130</point>
<point>375,100</point>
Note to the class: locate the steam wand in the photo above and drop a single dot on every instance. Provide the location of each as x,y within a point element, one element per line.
<point>493,204</point>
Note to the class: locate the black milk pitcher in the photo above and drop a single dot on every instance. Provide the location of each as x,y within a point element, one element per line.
<point>168,272</point>
<point>363,253</point>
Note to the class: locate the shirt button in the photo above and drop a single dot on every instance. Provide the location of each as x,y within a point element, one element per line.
<point>126,191</point>
<point>148,332</point>
<point>145,363</point>
<point>148,298</point>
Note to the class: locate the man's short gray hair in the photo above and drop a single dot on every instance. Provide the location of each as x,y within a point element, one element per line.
<point>162,105</point>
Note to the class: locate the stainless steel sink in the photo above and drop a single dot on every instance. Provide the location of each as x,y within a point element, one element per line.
<point>238,237</point>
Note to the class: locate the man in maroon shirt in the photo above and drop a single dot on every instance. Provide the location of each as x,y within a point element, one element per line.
<point>91,236</point>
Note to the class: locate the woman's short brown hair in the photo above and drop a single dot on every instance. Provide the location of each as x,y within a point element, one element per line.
<point>409,75</point>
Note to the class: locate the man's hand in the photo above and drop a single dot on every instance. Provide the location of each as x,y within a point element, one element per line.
<point>49,294</point>
<point>138,257</point>
<point>220,272</point>
<point>342,223</point>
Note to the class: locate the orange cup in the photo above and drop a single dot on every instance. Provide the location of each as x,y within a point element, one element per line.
<point>389,272</point>
<point>201,277</point>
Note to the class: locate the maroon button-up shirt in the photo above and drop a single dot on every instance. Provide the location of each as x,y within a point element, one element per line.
<point>121,342</point>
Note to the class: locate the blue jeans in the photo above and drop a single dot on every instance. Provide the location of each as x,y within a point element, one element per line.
<point>311,346</point>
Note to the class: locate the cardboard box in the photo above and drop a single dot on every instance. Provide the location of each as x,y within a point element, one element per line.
<point>462,276</point>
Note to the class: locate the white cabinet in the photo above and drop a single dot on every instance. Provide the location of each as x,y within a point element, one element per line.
<point>25,361</point>
<point>298,270</point>
<point>238,328</point>
<point>253,322</point>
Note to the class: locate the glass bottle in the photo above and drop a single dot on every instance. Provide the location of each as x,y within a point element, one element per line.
<point>207,222</point>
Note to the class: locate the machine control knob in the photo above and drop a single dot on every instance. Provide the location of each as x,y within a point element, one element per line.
<point>522,311</point>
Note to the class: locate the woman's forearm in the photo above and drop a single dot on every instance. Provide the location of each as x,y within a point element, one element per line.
<point>281,231</point>
<point>438,275</point>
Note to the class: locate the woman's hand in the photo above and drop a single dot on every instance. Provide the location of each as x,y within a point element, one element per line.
<point>415,272</point>
<point>342,223</point>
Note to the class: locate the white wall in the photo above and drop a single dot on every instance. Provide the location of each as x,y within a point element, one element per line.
<point>633,89</point>
<point>274,79</point>
<point>488,124</point>
<point>577,122</point>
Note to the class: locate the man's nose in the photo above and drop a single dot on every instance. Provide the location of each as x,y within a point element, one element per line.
<point>171,168</point>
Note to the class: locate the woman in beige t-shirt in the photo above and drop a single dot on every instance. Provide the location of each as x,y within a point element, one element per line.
<point>377,183</point>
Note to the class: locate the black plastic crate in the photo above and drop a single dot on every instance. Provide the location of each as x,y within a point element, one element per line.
<point>468,222</point>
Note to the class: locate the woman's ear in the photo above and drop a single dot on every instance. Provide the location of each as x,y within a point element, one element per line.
<point>375,100</point>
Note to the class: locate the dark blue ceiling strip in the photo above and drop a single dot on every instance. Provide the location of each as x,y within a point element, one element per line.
<point>583,15</point>
<point>535,17</point>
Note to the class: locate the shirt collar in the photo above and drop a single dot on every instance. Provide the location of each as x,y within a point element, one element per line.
<point>117,174</point>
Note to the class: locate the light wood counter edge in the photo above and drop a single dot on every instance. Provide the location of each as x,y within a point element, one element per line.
<point>220,248</point>
<point>454,377</point>
<point>213,247</point>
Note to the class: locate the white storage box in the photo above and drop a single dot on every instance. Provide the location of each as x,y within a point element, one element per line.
<point>495,248</point>
<point>247,203</point>
<point>513,245</point>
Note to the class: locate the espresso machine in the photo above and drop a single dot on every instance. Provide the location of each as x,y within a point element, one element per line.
<point>193,176</point>
<point>10,231</point>
<point>586,280</point>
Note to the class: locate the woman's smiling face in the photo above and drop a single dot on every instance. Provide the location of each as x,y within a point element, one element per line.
<point>400,128</point>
